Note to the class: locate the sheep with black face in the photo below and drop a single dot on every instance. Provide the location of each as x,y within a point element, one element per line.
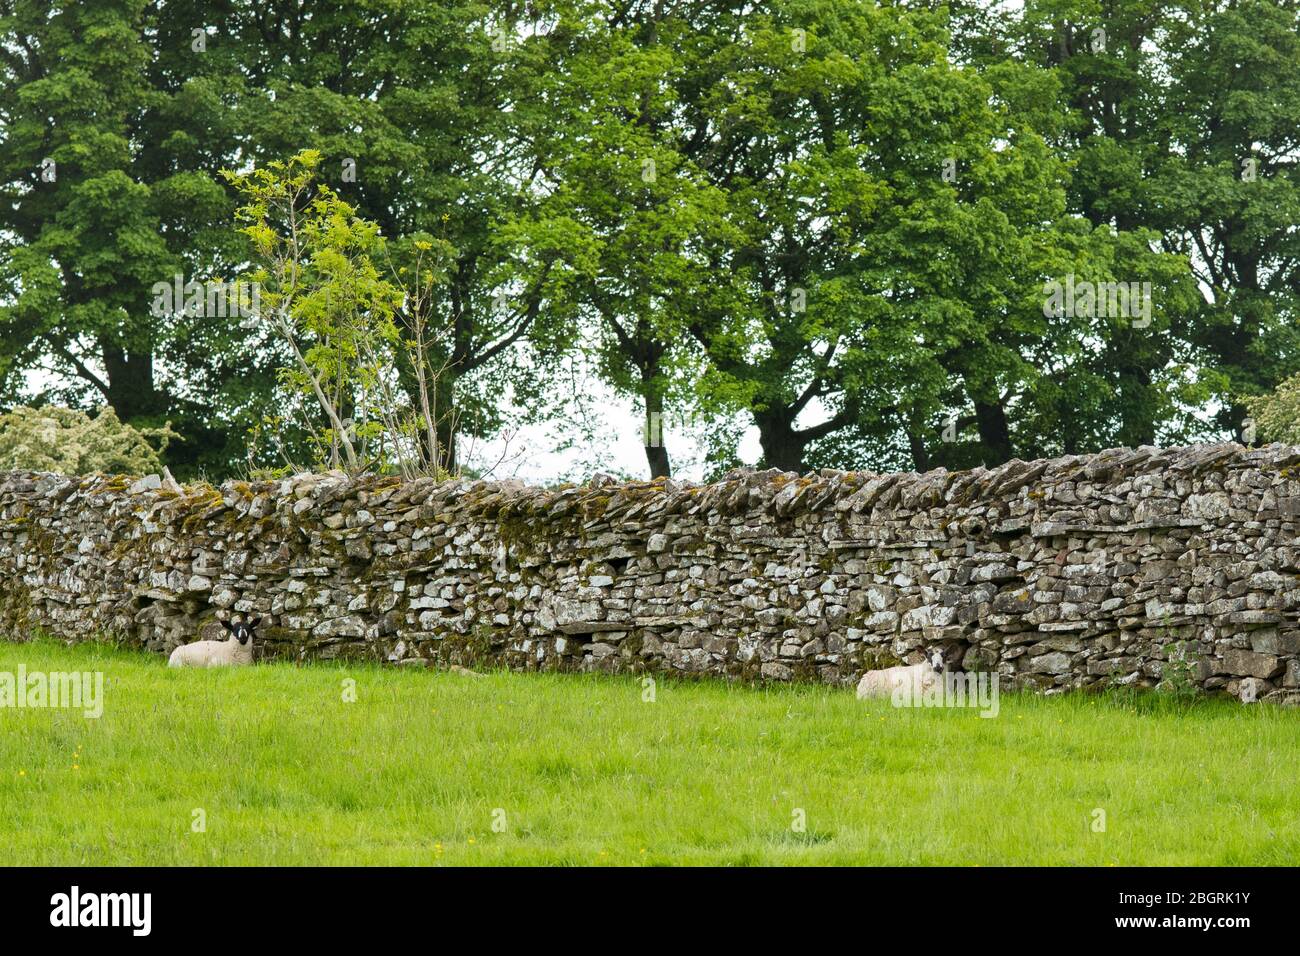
<point>916,678</point>
<point>236,651</point>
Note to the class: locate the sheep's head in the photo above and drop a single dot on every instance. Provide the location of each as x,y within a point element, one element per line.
<point>242,631</point>
<point>934,657</point>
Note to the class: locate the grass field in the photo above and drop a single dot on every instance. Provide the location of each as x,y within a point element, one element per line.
<point>578,769</point>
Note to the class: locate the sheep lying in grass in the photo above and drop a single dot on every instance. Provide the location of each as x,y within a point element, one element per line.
<point>917,678</point>
<point>236,651</point>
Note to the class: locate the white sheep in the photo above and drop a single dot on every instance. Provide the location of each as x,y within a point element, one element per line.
<point>235,652</point>
<point>916,678</point>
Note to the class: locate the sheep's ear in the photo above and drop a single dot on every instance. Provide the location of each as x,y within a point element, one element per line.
<point>227,625</point>
<point>254,623</point>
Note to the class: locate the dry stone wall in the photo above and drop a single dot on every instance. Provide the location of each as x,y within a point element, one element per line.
<point>1127,566</point>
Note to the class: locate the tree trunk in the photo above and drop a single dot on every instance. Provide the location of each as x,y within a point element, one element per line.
<point>995,433</point>
<point>783,447</point>
<point>920,457</point>
<point>130,381</point>
<point>657,457</point>
<point>656,452</point>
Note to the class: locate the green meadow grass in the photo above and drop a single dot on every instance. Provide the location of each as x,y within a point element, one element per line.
<point>581,770</point>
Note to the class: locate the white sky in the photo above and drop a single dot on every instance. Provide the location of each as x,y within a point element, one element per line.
<point>533,452</point>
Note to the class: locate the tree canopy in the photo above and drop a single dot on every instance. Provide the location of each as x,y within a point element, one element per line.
<point>882,235</point>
